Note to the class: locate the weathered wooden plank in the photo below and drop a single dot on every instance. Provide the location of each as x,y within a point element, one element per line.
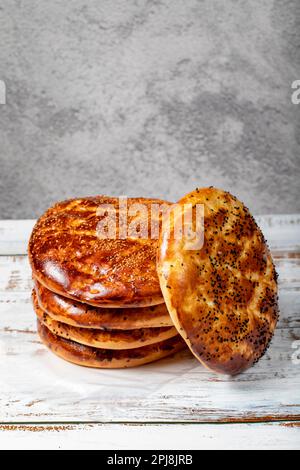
<point>16,275</point>
<point>14,236</point>
<point>281,231</point>
<point>40,387</point>
<point>147,437</point>
<point>16,309</point>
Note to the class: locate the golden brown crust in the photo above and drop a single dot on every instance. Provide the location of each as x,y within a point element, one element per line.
<point>83,315</point>
<point>68,257</point>
<point>117,339</point>
<point>108,358</point>
<point>223,297</point>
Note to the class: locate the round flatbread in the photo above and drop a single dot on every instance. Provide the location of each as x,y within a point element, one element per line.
<point>99,251</point>
<point>108,358</point>
<point>222,297</point>
<point>118,339</point>
<point>82,315</point>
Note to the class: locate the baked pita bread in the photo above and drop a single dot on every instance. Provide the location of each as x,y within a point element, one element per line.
<point>108,358</point>
<point>82,315</point>
<point>114,339</point>
<point>222,297</point>
<point>69,255</point>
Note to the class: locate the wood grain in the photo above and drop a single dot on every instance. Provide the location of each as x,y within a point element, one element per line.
<point>281,231</point>
<point>154,436</point>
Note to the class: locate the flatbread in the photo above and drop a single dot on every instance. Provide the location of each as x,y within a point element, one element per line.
<point>68,257</point>
<point>222,297</point>
<point>118,339</point>
<point>108,358</point>
<point>83,315</point>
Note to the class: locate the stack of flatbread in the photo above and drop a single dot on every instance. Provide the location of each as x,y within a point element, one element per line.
<point>131,290</point>
<point>96,294</point>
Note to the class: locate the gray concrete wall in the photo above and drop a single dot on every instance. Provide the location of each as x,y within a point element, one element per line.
<point>149,98</point>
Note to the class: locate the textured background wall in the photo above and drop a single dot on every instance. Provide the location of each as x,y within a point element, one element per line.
<point>149,98</point>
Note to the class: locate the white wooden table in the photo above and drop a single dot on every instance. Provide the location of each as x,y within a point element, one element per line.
<point>172,404</point>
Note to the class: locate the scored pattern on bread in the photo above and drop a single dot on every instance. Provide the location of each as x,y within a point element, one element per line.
<point>68,257</point>
<point>223,297</point>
